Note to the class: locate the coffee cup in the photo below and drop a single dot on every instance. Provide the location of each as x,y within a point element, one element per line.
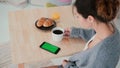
<point>57,34</point>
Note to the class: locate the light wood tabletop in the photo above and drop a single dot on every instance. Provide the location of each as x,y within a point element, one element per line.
<point>26,38</point>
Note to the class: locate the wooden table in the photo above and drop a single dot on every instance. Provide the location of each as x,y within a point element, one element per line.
<point>26,38</point>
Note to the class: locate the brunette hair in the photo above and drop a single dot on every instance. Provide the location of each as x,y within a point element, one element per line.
<point>102,10</point>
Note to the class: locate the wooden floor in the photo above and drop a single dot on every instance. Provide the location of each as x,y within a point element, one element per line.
<point>6,62</point>
<point>5,56</point>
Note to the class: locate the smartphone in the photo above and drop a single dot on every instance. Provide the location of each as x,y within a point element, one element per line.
<point>50,47</point>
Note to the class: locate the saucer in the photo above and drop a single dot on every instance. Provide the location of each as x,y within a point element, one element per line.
<point>46,28</point>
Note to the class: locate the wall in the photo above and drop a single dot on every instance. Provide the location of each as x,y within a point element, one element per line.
<point>2,0</point>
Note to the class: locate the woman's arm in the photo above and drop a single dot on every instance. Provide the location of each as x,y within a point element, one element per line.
<point>70,65</point>
<point>83,33</point>
<point>103,58</point>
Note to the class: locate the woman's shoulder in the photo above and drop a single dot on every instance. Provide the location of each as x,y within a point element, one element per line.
<point>111,44</point>
<point>112,39</point>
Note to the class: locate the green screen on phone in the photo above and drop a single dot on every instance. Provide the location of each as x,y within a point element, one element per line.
<point>50,47</point>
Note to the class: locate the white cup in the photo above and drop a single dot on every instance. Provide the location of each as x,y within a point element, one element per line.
<point>57,34</point>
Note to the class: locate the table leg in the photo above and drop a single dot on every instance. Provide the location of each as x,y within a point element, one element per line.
<point>21,65</point>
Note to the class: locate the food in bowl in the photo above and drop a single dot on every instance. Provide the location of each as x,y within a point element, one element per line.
<point>45,22</point>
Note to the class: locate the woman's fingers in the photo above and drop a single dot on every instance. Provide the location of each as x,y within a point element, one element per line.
<point>64,62</point>
<point>67,32</point>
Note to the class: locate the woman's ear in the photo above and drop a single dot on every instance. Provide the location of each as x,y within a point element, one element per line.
<point>90,19</point>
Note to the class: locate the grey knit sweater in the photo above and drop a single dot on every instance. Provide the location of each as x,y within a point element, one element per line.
<point>103,55</point>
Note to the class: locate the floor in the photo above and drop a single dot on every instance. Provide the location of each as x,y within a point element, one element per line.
<point>5,62</point>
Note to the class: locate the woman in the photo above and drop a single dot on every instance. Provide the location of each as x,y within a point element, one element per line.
<point>102,49</point>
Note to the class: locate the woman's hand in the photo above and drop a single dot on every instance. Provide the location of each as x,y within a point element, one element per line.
<point>64,62</point>
<point>67,32</point>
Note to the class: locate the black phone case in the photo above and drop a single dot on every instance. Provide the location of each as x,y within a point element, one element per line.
<point>48,50</point>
